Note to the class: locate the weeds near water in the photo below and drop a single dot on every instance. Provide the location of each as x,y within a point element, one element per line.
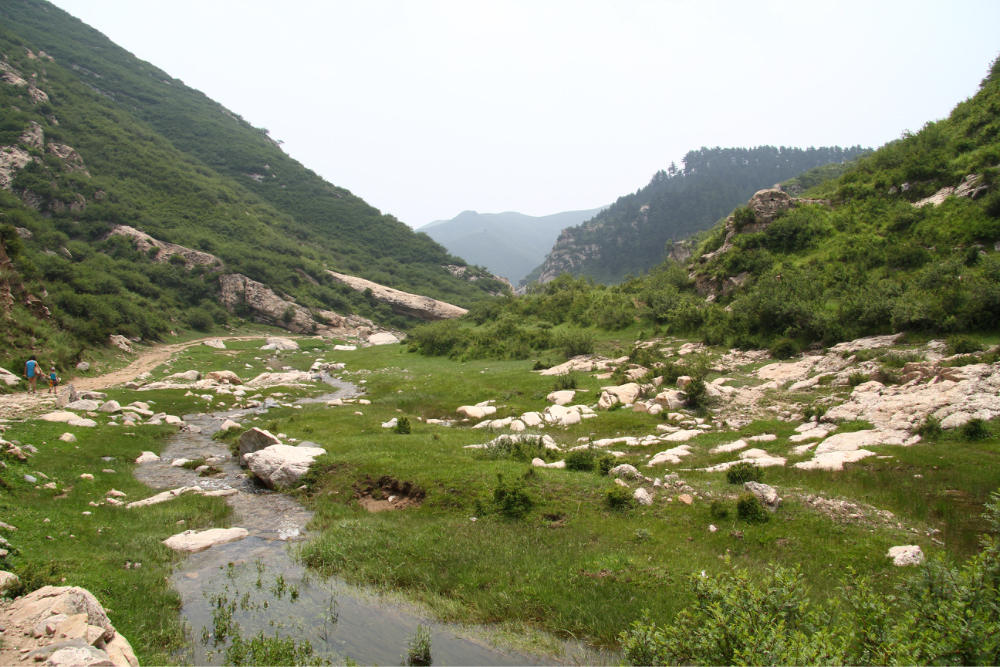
<point>418,647</point>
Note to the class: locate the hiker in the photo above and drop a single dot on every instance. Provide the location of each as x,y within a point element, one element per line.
<point>31,372</point>
<point>53,380</point>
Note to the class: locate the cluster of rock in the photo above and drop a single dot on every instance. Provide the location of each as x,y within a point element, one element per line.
<point>162,252</point>
<point>93,404</point>
<point>60,626</point>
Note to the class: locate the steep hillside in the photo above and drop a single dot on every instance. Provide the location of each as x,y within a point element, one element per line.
<point>125,197</point>
<point>508,244</point>
<point>630,236</point>
<point>906,239</point>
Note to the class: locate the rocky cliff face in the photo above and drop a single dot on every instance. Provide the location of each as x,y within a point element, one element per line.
<point>567,254</point>
<point>404,303</point>
<point>242,296</point>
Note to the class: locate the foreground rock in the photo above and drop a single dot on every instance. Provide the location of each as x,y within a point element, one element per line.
<point>192,541</point>
<point>281,466</point>
<point>71,619</point>
<point>254,440</point>
<point>404,303</point>
<point>909,554</point>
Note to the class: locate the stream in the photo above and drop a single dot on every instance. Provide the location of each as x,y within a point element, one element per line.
<point>268,590</point>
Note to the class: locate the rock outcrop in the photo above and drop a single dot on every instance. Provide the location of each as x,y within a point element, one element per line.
<point>239,293</point>
<point>62,625</point>
<point>164,251</point>
<point>404,303</point>
<point>192,541</point>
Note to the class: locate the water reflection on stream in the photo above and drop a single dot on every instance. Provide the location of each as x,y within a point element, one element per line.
<point>338,619</point>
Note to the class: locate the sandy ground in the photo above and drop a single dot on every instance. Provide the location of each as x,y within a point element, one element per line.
<point>13,406</point>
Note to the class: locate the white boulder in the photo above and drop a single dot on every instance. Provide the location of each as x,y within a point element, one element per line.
<point>282,465</point>
<point>191,541</point>
<point>909,554</point>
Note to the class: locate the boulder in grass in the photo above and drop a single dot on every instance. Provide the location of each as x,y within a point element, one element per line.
<point>67,437</point>
<point>254,440</point>
<point>562,397</point>
<point>228,424</point>
<point>192,541</point>
<point>110,406</point>
<point>282,466</point>
<point>909,554</point>
<point>280,344</point>
<point>147,457</point>
<point>8,378</point>
<point>224,376</point>
<point>66,396</point>
<point>476,411</point>
<point>216,343</point>
<point>83,405</point>
<point>186,376</point>
<point>642,496</point>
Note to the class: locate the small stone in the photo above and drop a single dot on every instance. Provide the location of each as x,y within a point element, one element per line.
<point>685,498</point>
<point>712,528</point>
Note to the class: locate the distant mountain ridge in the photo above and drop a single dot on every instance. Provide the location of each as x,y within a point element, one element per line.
<point>629,236</point>
<point>509,244</point>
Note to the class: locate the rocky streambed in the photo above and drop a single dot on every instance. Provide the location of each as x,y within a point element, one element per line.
<point>261,587</point>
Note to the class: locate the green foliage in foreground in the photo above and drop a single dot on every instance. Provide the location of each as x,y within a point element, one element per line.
<point>942,615</point>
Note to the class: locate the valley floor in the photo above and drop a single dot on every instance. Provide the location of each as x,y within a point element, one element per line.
<point>484,535</point>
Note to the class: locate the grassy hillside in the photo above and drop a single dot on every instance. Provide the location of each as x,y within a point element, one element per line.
<point>867,261</point>
<point>630,235</point>
<point>109,140</point>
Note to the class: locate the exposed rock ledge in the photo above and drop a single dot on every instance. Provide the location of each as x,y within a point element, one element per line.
<point>404,303</point>
<point>239,292</point>
<point>144,242</point>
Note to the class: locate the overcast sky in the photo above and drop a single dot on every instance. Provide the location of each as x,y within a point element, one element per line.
<point>426,109</point>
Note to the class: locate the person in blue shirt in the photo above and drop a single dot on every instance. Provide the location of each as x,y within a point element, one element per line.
<point>31,371</point>
<point>53,380</point>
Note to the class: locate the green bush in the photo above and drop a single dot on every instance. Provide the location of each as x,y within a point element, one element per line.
<point>743,216</point>
<point>582,459</point>
<point>604,463</point>
<point>784,348</point>
<point>517,449</point>
<point>963,345</point>
<point>856,378</point>
<point>975,429</point>
<point>200,319</point>
<point>930,428</point>
<point>564,382</point>
<point>744,471</point>
<point>749,509</point>
<point>511,500</point>
<point>718,510</point>
<point>575,343</point>
<point>695,393</point>
<point>402,426</point>
<point>619,498</point>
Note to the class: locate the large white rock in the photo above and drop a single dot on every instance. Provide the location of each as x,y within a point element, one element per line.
<point>191,541</point>
<point>110,406</point>
<point>532,419</point>
<point>164,496</point>
<point>626,393</point>
<point>82,405</point>
<point>290,379</point>
<point>186,376</point>
<point>909,554</point>
<point>86,423</point>
<point>671,399</point>
<point>383,338</point>
<point>8,378</point>
<point>227,376</point>
<point>562,397</point>
<point>7,580</point>
<point>276,343</point>
<point>67,437</point>
<point>147,457</point>
<point>476,411</point>
<point>255,439</point>
<point>768,495</point>
<point>539,463</point>
<point>216,343</point>
<point>642,496</point>
<point>731,447</point>
<point>784,372</point>
<point>282,465</point>
<point>228,424</point>
<point>672,456</point>
<point>626,471</point>
<point>682,436</point>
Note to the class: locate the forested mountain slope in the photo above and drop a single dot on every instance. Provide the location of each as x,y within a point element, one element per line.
<point>630,235</point>
<point>508,244</point>
<point>907,239</point>
<point>91,138</point>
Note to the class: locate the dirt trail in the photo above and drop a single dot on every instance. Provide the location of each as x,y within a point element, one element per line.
<point>13,405</point>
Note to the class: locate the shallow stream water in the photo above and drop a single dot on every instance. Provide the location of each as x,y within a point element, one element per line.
<point>274,593</point>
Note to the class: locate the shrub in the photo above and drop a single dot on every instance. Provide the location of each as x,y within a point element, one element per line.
<point>575,343</point>
<point>975,429</point>
<point>695,392</point>
<point>288,315</point>
<point>856,378</point>
<point>743,216</point>
<point>930,428</point>
<point>619,498</point>
<point>963,345</point>
<point>784,348</point>
<point>718,510</point>
<point>402,426</point>
<point>744,471</point>
<point>604,463</point>
<point>200,319</point>
<point>418,647</point>
<point>511,500</point>
<point>564,382</point>
<point>516,449</point>
<point>749,509</point>
<point>582,459</point>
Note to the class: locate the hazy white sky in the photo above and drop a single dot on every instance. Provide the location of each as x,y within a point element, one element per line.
<point>429,108</point>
